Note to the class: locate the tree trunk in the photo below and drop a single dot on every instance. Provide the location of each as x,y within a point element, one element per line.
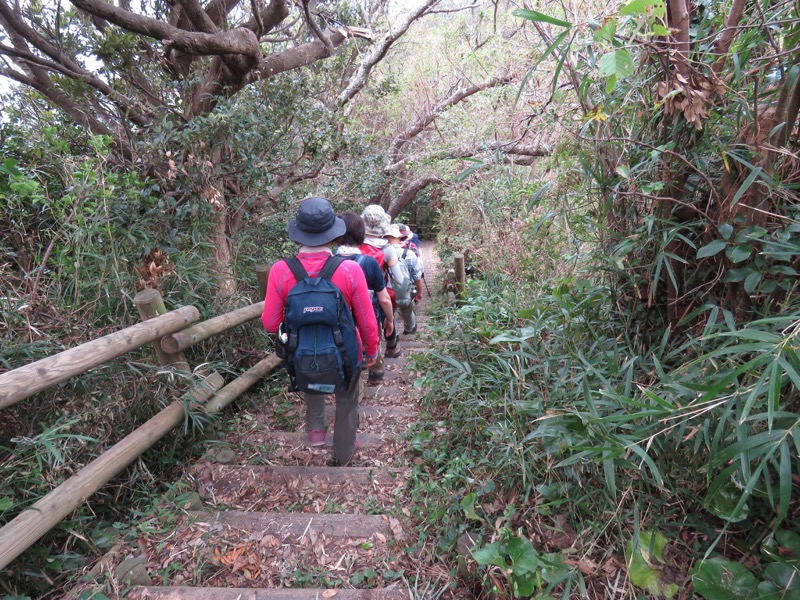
<point>223,256</point>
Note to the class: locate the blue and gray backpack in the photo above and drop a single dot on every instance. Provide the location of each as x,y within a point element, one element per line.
<point>320,346</point>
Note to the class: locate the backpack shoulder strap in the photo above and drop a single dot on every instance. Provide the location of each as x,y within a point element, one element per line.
<point>297,268</point>
<point>331,264</point>
<point>405,252</point>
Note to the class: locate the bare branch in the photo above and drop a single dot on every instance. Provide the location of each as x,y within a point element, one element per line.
<point>239,41</point>
<point>198,16</point>
<point>294,58</point>
<point>728,34</point>
<point>410,191</point>
<point>380,49</point>
<point>307,5</point>
<point>444,11</point>
<point>512,152</point>
<point>425,120</point>
<point>283,183</point>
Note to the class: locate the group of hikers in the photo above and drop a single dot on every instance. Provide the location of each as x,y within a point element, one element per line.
<point>334,314</point>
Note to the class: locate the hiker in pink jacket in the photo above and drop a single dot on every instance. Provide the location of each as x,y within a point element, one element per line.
<point>315,229</point>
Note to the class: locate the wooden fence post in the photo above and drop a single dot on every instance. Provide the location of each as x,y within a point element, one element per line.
<point>150,305</point>
<point>461,276</point>
<point>262,272</point>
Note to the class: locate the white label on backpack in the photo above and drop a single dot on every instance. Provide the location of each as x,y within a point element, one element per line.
<point>322,387</point>
<point>313,309</point>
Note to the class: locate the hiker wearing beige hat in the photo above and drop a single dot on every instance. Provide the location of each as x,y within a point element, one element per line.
<point>410,290</point>
<point>376,224</point>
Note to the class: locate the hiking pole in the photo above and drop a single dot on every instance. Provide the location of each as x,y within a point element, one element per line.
<point>425,281</point>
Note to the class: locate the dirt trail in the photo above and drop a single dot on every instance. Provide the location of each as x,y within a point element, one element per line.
<point>273,519</point>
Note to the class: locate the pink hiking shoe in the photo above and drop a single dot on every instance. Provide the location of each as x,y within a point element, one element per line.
<point>316,437</point>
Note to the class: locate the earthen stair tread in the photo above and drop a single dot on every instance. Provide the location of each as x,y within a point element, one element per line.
<point>296,525</point>
<point>193,593</point>
<point>366,440</point>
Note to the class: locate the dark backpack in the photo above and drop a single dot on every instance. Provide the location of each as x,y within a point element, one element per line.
<point>318,339</point>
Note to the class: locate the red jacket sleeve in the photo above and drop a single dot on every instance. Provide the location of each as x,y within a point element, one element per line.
<point>275,301</point>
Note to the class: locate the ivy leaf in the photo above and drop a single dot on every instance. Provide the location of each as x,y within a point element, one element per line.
<point>725,230</point>
<point>616,64</point>
<point>737,275</point>
<point>468,504</point>
<point>641,7</point>
<point>660,30</point>
<point>523,586</point>
<point>491,554</point>
<point>636,7</point>
<point>645,564</point>
<point>711,249</point>
<point>606,32</point>
<point>524,558</point>
<point>717,579</point>
<point>785,578</point>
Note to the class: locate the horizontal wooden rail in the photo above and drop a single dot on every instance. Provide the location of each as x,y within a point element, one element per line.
<point>32,523</point>
<point>190,336</point>
<point>242,383</point>
<point>26,381</point>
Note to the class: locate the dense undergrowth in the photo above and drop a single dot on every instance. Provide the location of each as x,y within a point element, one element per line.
<point>562,442</point>
<point>621,380</point>
<point>82,237</point>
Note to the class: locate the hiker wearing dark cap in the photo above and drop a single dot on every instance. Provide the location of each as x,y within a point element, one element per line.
<point>315,228</point>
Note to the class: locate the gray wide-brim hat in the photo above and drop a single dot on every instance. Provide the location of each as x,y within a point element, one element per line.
<point>316,224</point>
<point>376,221</point>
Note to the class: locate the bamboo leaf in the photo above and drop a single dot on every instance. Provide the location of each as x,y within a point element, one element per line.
<point>533,15</point>
<point>784,480</point>
<point>547,53</point>
<point>774,392</point>
<point>650,464</point>
<point>746,185</point>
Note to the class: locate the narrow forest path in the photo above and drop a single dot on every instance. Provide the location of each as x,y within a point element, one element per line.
<point>271,518</point>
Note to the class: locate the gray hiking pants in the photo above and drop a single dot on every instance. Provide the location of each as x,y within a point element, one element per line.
<point>346,424</point>
<point>406,310</point>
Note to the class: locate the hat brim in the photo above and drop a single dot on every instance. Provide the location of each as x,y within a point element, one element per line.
<point>316,239</point>
<point>376,231</point>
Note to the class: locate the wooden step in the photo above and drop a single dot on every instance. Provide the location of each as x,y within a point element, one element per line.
<point>191,593</point>
<point>300,440</point>
<point>293,527</point>
<point>388,412</point>
<point>300,489</point>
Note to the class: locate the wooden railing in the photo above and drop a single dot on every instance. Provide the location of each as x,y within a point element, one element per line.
<point>170,336</point>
